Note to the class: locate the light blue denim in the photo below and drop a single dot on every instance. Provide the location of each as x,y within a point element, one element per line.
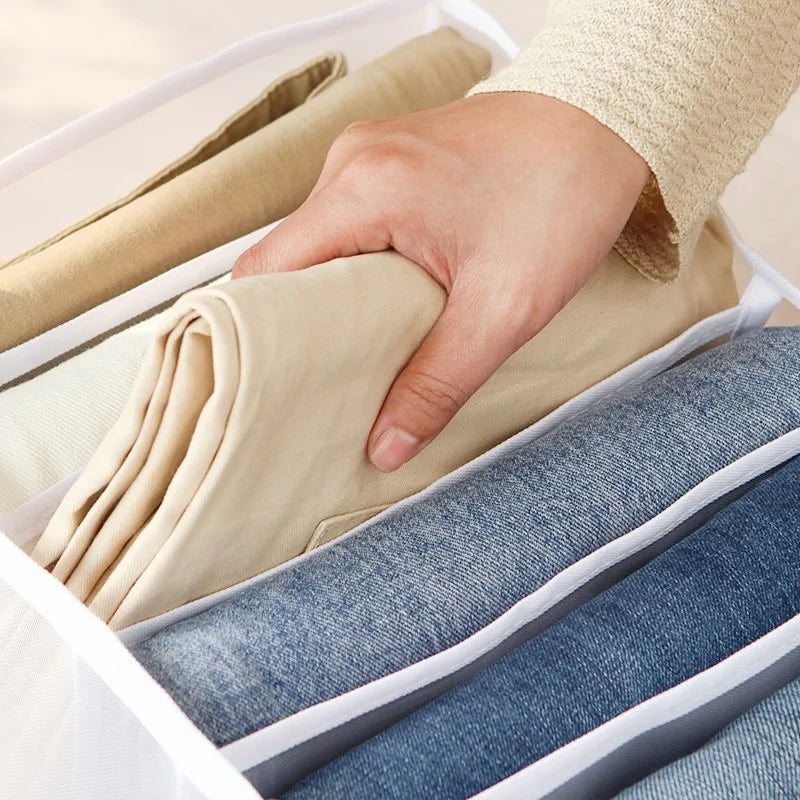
<point>423,579</point>
<point>725,585</point>
<point>757,757</point>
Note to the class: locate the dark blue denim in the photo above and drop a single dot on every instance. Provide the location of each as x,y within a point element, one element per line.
<point>757,756</point>
<point>419,581</point>
<point>725,585</point>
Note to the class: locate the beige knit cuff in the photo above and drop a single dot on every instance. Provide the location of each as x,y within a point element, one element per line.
<point>690,85</point>
<point>650,241</point>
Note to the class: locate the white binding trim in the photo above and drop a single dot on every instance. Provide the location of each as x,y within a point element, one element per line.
<point>554,770</point>
<point>481,20</point>
<point>781,286</point>
<point>292,731</point>
<point>195,756</point>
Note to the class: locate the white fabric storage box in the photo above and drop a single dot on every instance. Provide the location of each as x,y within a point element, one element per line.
<point>80,718</point>
<point>602,762</point>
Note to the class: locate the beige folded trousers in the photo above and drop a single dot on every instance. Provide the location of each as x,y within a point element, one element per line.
<point>244,437</point>
<point>225,190</point>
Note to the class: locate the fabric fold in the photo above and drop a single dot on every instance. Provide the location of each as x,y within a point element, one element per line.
<point>256,180</point>
<point>300,364</point>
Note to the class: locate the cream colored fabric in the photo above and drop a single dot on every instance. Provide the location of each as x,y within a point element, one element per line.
<point>246,428</point>
<point>692,85</point>
<point>51,424</point>
<point>255,180</point>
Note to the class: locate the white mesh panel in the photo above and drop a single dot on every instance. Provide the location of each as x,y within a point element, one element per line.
<point>81,720</point>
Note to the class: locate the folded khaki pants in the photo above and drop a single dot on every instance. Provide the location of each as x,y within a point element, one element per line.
<point>224,190</point>
<point>244,437</point>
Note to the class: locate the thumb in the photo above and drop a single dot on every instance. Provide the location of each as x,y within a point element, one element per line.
<point>455,359</point>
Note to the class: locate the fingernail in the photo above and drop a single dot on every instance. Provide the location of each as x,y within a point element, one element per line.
<point>393,448</point>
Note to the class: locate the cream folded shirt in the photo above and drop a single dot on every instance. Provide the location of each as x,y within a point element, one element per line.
<point>226,190</point>
<point>243,440</point>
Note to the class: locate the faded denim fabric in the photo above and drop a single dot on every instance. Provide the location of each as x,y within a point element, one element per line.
<point>425,578</point>
<point>730,582</point>
<point>757,757</point>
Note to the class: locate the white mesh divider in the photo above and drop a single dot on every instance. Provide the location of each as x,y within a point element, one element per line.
<point>81,720</point>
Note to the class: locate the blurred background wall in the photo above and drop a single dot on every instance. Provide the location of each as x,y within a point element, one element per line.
<point>60,59</point>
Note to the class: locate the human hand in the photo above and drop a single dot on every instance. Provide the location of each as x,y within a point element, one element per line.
<point>509,200</point>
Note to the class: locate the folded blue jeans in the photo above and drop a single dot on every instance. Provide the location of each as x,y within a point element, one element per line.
<point>730,582</point>
<point>420,580</point>
<point>756,756</point>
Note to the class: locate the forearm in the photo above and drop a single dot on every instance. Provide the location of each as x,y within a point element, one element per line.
<point>691,85</point>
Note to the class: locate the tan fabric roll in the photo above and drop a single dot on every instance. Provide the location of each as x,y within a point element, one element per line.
<point>280,97</point>
<point>246,185</point>
<point>245,432</point>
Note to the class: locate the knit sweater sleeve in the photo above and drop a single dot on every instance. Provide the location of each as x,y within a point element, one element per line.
<point>691,85</point>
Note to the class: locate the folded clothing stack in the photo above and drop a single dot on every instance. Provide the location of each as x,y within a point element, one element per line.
<point>725,585</point>
<point>243,440</point>
<point>224,392</point>
<point>427,576</point>
<point>257,168</point>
